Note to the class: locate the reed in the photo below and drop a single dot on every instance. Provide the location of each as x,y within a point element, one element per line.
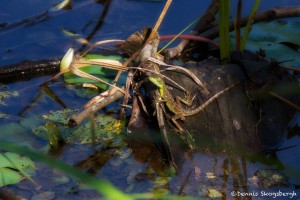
<point>224,30</point>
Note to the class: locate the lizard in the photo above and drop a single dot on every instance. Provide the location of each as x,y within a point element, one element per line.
<point>174,105</point>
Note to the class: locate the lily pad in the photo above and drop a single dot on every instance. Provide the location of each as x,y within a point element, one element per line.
<point>6,94</point>
<point>107,129</point>
<point>12,167</point>
<point>274,37</point>
<point>213,193</point>
<point>3,116</point>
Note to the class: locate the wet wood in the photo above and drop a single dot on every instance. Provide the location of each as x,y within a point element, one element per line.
<point>247,118</point>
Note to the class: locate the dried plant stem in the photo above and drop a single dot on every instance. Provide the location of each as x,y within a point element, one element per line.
<point>104,99</point>
<point>295,69</point>
<point>159,20</point>
<point>190,37</point>
<point>284,100</point>
<point>132,57</point>
<point>203,24</point>
<point>100,43</point>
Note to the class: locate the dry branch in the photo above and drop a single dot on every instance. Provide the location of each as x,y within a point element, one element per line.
<point>203,24</point>
<point>275,13</point>
<point>103,100</point>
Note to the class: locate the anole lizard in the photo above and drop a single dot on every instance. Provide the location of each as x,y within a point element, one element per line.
<point>174,105</point>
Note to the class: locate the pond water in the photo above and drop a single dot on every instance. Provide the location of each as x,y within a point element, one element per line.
<point>136,168</point>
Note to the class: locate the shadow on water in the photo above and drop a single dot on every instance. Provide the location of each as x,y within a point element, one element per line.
<point>136,166</point>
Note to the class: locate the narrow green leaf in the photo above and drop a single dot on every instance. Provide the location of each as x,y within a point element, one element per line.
<point>249,24</point>
<point>224,29</point>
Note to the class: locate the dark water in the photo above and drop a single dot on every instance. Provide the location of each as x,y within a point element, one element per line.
<point>42,38</point>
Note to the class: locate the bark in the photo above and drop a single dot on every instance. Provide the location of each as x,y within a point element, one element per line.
<point>246,119</point>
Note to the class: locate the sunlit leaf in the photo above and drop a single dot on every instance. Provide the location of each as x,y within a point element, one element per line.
<point>61,116</point>
<point>8,176</point>
<point>7,94</point>
<point>15,161</point>
<point>77,37</point>
<point>101,72</point>
<point>3,116</point>
<point>65,4</point>
<point>213,193</point>
<point>107,129</point>
<point>84,92</point>
<point>67,59</point>
<point>69,33</point>
<point>210,175</point>
<point>13,168</point>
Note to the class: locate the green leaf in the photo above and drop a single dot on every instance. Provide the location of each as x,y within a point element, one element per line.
<point>213,193</point>
<point>7,94</point>
<point>8,177</point>
<point>13,168</point>
<point>107,129</point>
<point>103,73</point>
<point>15,161</point>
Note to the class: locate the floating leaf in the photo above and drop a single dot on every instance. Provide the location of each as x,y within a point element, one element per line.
<point>274,37</point>
<point>3,116</point>
<point>84,92</point>
<point>75,36</point>
<point>44,196</point>
<point>8,177</point>
<point>15,161</point>
<point>210,175</point>
<point>13,167</point>
<point>213,193</point>
<point>61,116</point>
<point>107,129</point>
<point>6,94</point>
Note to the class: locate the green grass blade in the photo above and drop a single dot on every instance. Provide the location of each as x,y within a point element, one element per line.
<point>249,24</point>
<point>102,186</point>
<point>181,32</point>
<point>224,29</point>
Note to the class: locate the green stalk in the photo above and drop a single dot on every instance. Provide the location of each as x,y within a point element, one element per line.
<point>249,24</point>
<point>180,33</point>
<point>224,30</point>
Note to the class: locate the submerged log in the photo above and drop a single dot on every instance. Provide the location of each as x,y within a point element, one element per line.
<point>246,119</point>
<point>28,69</point>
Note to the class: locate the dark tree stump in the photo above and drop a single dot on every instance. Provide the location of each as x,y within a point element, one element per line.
<point>245,119</point>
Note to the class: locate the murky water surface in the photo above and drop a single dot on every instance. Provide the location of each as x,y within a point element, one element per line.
<point>136,168</point>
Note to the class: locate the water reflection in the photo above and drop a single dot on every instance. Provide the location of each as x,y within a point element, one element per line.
<point>143,166</point>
